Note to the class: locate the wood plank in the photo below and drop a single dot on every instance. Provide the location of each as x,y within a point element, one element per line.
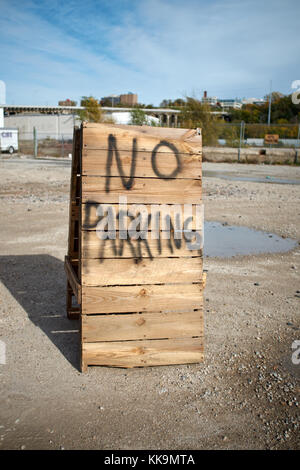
<point>143,190</point>
<point>95,163</point>
<point>73,279</point>
<point>94,247</point>
<point>74,192</point>
<point>166,133</point>
<point>126,327</point>
<point>95,136</point>
<point>72,312</point>
<point>90,218</point>
<point>147,298</point>
<point>143,353</point>
<point>127,272</point>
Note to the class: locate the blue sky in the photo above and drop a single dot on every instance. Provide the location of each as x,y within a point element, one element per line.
<point>52,50</point>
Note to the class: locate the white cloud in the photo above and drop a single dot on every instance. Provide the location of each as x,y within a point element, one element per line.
<point>158,48</point>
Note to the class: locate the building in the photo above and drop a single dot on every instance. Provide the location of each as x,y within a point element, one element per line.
<point>210,100</point>
<point>58,121</point>
<point>253,101</point>
<point>111,100</point>
<point>230,103</point>
<point>130,99</point>
<point>48,126</point>
<point>67,102</point>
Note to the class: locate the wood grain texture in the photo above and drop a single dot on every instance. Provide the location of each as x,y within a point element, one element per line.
<point>142,306</point>
<point>94,163</point>
<point>127,272</point>
<point>90,214</point>
<point>94,247</point>
<point>73,279</point>
<point>95,136</point>
<point>136,326</point>
<point>147,298</point>
<point>143,190</point>
<point>130,354</point>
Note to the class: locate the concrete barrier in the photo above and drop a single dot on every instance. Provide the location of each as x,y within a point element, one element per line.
<point>250,155</point>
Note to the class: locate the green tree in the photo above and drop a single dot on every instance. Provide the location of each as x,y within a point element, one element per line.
<point>138,117</point>
<point>282,108</point>
<point>196,114</point>
<point>92,110</point>
<point>231,135</point>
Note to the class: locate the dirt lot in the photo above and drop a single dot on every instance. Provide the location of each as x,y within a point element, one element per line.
<point>245,395</point>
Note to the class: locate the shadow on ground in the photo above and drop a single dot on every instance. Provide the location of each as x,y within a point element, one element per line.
<point>38,283</point>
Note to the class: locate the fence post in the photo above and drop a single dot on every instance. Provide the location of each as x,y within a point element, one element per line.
<point>62,147</point>
<point>35,143</point>
<point>241,135</point>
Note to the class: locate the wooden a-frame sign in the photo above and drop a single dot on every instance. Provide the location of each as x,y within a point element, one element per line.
<point>139,300</point>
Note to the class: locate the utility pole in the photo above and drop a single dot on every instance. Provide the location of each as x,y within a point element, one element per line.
<point>270,103</point>
<point>298,144</point>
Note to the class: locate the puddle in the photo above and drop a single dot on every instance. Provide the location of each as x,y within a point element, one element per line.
<point>255,179</point>
<point>223,241</point>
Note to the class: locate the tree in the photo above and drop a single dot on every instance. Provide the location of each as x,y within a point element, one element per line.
<point>196,114</point>
<point>282,108</point>
<point>231,135</point>
<point>138,117</point>
<point>165,104</point>
<point>178,103</point>
<point>92,110</point>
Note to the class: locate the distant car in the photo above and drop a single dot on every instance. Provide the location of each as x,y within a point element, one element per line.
<point>9,141</point>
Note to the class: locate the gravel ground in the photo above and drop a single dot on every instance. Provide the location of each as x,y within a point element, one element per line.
<point>245,395</point>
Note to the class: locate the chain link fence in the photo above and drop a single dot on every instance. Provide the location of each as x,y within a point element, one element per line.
<point>233,135</point>
<point>253,135</point>
<point>43,144</point>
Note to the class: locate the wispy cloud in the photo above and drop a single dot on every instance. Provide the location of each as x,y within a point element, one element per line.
<point>157,48</point>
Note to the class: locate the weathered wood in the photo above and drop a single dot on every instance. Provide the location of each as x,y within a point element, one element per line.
<point>130,354</point>
<point>94,247</point>
<point>95,136</point>
<point>141,305</point>
<point>90,217</point>
<point>134,326</point>
<point>73,313</point>
<point>73,279</point>
<point>73,283</point>
<point>143,190</point>
<point>94,163</point>
<point>147,298</point>
<point>127,272</point>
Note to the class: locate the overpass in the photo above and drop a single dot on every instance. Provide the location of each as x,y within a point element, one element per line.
<point>168,117</point>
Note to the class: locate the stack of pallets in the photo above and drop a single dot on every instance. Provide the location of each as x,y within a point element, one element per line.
<point>139,300</point>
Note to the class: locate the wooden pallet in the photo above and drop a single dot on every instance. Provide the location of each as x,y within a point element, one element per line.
<point>139,303</point>
<point>72,259</point>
